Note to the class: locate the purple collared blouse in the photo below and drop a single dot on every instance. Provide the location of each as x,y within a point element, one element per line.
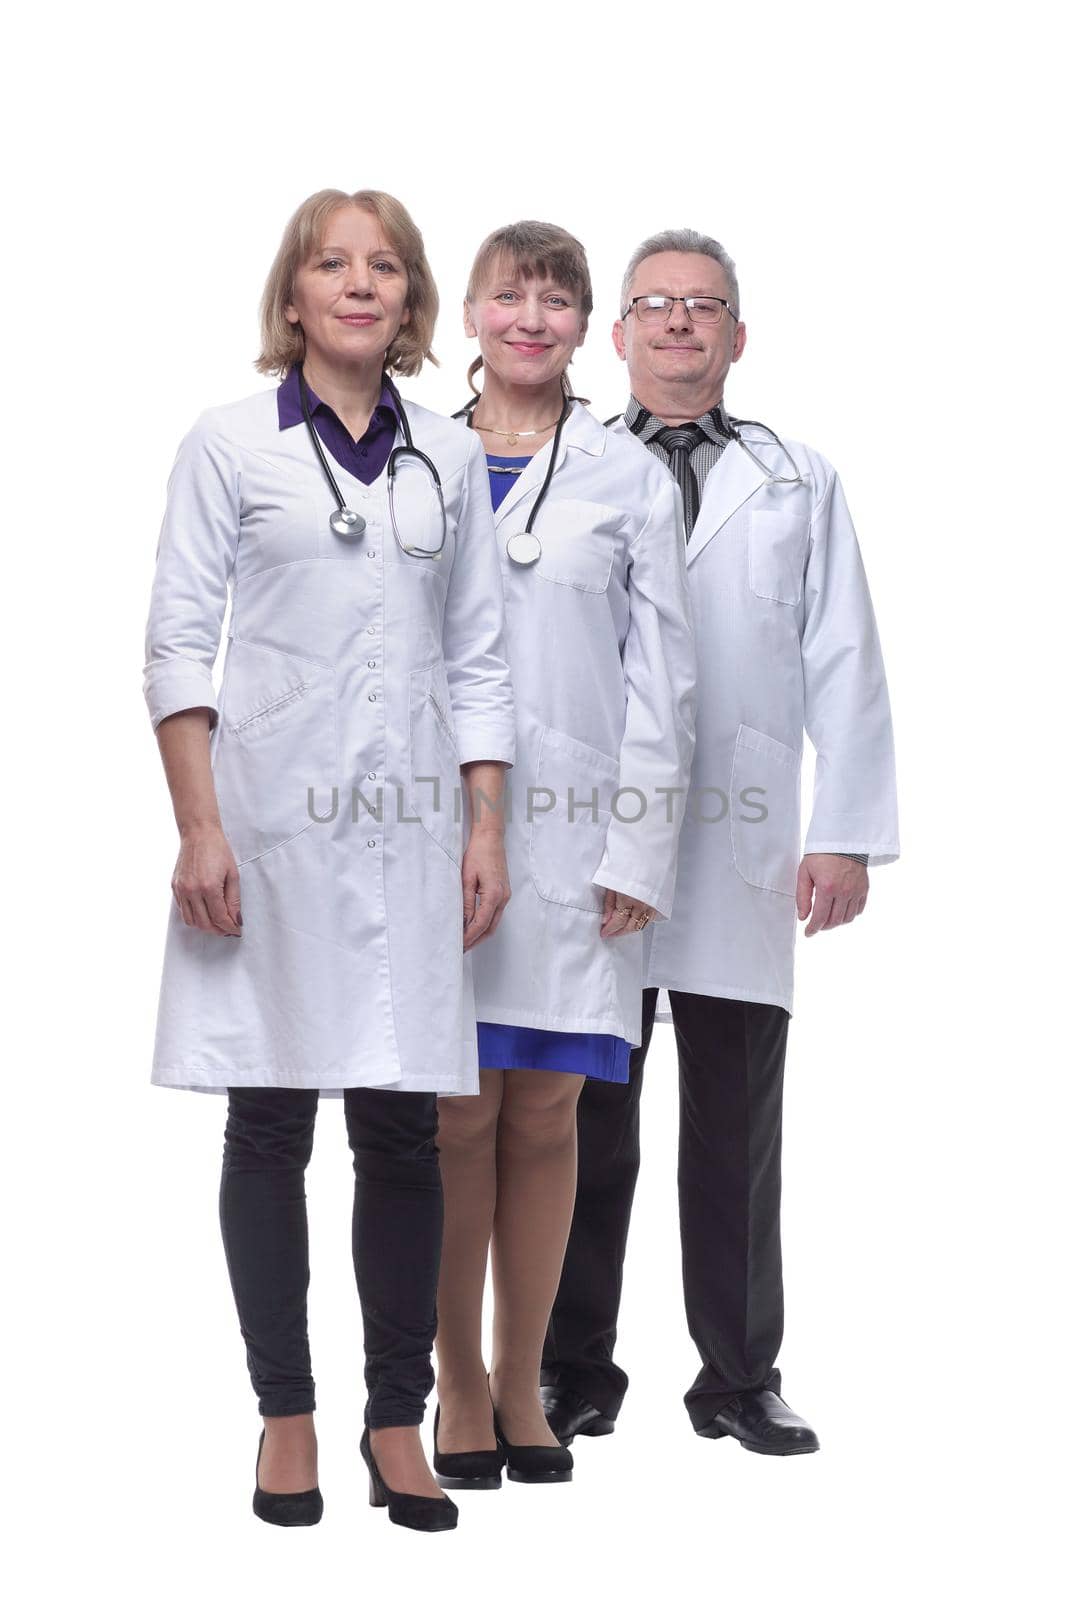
<point>364,458</point>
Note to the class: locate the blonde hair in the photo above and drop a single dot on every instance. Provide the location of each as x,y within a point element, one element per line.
<point>283,341</point>
<point>536,250</point>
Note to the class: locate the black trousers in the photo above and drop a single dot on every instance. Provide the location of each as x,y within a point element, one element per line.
<point>731,1059</point>
<point>397,1219</point>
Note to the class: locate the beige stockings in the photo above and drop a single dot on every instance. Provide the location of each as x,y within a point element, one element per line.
<point>508,1165</point>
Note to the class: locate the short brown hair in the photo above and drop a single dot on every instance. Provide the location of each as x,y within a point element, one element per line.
<point>536,250</point>
<point>283,341</point>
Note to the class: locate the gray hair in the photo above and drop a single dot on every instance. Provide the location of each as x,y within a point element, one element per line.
<point>688,241</point>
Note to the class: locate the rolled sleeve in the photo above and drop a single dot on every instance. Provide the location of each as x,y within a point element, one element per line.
<point>479,681</point>
<point>171,686</point>
<point>194,560</point>
<point>659,663</point>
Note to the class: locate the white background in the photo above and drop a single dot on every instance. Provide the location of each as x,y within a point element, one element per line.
<point>885,178</point>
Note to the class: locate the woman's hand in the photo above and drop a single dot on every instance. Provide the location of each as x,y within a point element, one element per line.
<point>623,914</point>
<point>486,888</point>
<point>206,883</point>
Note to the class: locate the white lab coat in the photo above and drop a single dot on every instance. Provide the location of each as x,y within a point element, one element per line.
<point>786,642</point>
<point>354,668</point>
<point>600,645</point>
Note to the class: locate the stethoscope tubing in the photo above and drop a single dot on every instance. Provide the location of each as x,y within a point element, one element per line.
<point>353,524</point>
<point>736,424</point>
<point>317,442</point>
<point>772,477</point>
<point>519,540</point>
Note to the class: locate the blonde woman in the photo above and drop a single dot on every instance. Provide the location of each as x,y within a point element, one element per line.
<point>316,945</point>
<point>599,642</point>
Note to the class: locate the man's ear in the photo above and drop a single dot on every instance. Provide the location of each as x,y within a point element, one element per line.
<point>740,340</point>
<point>618,339</point>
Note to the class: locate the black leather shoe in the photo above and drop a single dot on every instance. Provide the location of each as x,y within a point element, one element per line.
<point>568,1414</point>
<point>300,1510</point>
<point>423,1512</point>
<point>535,1463</point>
<point>762,1421</point>
<point>466,1469</point>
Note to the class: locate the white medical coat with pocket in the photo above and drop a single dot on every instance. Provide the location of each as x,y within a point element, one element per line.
<point>600,645</point>
<point>356,681</point>
<point>786,643</point>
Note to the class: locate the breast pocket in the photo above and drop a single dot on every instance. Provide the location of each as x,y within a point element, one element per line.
<point>570,809</point>
<point>777,552</point>
<point>578,542</point>
<point>765,811</point>
<point>276,740</point>
<point>433,790</point>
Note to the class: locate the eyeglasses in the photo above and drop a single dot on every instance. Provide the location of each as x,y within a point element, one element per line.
<point>699,307</point>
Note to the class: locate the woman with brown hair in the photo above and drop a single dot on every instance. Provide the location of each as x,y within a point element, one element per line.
<point>315,945</point>
<point>601,653</point>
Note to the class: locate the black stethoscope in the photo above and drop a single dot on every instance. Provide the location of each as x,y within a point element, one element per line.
<point>525,548</point>
<point>348,524</point>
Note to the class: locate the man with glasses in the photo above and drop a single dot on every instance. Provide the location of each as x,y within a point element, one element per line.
<point>786,643</point>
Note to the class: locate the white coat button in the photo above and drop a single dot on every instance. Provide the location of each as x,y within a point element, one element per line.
<point>371,843</point>
<point>372,663</point>
<point>371,776</point>
<point>370,555</point>
<point>372,628</point>
<point>372,697</point>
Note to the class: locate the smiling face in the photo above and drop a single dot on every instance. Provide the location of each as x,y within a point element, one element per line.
<point>527,328</point>
<point>676,361</point>
<point>349,295</point>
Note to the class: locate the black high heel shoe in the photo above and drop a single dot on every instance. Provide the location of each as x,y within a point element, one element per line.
<point>300,1510</point>
<point>466,1469</point>
<point>535,1463</point>
<point>424,1512</point>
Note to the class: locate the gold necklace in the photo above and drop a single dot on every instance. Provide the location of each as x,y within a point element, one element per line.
<point>513,435</point>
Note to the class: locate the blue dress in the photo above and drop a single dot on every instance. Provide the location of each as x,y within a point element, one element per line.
<point>500,1044</point>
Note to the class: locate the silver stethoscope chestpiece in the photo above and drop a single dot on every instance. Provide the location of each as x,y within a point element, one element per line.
<point>347,524</point>
<point>524,548</point>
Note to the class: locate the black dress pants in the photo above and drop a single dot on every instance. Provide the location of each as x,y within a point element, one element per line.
<point>731,1059</point>
<point>397,1219</point>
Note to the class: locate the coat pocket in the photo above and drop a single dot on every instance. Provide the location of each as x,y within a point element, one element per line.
<point>433,778</point>
<point>777,553</point>
<point>578,542</point>
<point>765,811</point>
<point>276,741</point>
<point>569,820</point>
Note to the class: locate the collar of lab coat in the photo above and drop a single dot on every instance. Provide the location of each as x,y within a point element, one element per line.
<point>733,479</point>
<point>581,431</point>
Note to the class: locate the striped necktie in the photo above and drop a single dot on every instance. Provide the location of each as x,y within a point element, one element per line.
<point>681,442</point>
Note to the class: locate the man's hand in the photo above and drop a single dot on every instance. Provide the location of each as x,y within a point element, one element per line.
<point>837,886</point>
